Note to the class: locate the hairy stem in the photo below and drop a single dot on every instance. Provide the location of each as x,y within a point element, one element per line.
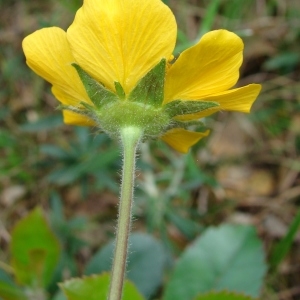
<point>130,137</point>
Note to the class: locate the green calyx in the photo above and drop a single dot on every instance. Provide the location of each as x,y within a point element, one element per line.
<point>126,114</point>
<point>142,108</point>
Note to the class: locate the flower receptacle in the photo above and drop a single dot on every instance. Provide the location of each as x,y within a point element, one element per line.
<point>152,121</point>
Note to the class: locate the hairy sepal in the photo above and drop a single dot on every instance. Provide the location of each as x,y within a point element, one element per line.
<point>187,107</point>
<point>150,89</point>
<point>120,91</point>
<point>99,95</point>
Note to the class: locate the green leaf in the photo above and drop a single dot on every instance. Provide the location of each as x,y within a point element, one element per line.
<point>96,91</point>
<point>188,227</point>
<point>211,13</point>
<point>186,107</point>
<point>34,250</point>
<point>43,124</point>
<point>54,151</point>
<point>227,257</point>
<point>282,248</point>
<point>283,60</point>
<point>59,296</point>
<point>65,174</point>
<point>11,292</point>
<point>223,296</point>
<point>146,262</point>
<point>150,89</point>
<point>4,277</point>
<point>73,5</point>
<point>95,287</point>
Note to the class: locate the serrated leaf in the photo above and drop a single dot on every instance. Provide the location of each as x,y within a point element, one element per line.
<point>223,296</point>
<point>185,107</point>
<point>96,287</point>
<point>11,292</point>
<point>227,257</point>
<point>96,91</point>
<point>146,262</point>
<point>34,250</point>
<point>150,89</point>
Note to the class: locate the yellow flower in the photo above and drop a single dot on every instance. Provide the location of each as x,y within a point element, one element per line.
<point>121,41</point>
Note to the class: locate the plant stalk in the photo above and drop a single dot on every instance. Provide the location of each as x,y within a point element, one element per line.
<point>130,137</point>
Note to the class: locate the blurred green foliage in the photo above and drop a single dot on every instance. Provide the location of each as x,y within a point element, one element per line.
<point>213,262</point>
<point>88,156</point>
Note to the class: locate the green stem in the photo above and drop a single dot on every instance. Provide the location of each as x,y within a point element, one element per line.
<point>130,137</point>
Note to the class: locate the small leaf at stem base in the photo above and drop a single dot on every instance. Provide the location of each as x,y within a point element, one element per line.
<point>95,287</point>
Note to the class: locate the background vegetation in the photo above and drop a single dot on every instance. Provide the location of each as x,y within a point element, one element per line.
<point>246,172</point>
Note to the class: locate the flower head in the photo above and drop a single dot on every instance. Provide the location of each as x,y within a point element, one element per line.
<point>112,69</point>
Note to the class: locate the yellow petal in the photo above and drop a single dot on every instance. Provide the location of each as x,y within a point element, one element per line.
<point>49,55</point>
<point>181,139</point>
<point>209,67</point>
<point>121,40</point>
<point>72,118</point>
<point>240,100</point>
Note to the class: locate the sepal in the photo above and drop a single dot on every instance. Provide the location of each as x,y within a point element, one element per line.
<point>150,89</point>
<point>197,125</point>
<point>87,106</point>
<point>74,109</point>
<point>186,107</point>
<point>120,91</point>
<point>84,109</point>
<point>98,94</point>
